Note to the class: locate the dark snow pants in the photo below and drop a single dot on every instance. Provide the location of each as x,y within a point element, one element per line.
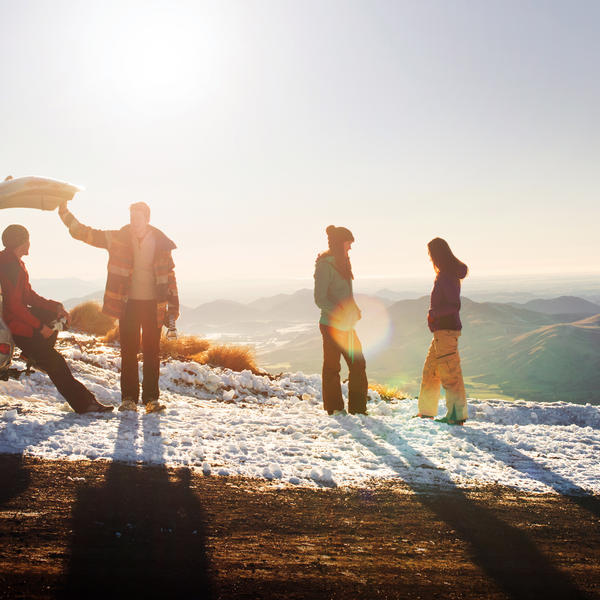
<point>338,343</point>
<point>43,353</point>
<point>140,315</point>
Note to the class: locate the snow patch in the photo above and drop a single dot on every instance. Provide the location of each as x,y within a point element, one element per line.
<point>228,423</point>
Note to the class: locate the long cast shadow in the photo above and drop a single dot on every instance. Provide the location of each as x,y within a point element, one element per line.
<point>530,467</point>
<point>505,553</point>
<point>139,534</point>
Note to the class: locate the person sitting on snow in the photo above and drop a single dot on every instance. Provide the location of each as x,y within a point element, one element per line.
<point>141,291</point>
<point>30,332</point>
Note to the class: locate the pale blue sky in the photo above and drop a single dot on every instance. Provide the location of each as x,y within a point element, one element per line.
<point>250,126</point>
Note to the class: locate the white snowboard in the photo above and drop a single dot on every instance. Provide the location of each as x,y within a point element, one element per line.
<point>35,192</point>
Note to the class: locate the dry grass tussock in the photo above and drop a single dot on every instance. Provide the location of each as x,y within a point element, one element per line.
<point>388,392</point>
<point>89,318</point>
<point>185,346</point>
<point>236,358</point>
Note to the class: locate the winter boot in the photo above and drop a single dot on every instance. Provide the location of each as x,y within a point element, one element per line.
<point>128,405</point>
<point>153,406</point>
<point>450,419</point>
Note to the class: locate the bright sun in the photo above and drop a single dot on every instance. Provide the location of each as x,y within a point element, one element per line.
<point>159,58</point>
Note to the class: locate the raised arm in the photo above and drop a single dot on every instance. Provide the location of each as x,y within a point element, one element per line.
<point>98,238</point>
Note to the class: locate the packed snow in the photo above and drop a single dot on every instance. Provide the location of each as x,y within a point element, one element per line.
<point>224,423</point>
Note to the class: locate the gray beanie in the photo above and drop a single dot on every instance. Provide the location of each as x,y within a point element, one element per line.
<point>14,235</point>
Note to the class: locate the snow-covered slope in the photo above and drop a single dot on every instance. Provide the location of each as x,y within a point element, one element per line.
<point>228,423</point>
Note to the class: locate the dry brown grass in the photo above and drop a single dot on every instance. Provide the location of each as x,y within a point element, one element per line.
<point>111,336</point>
<point>236,358</point>
<point>185,346</point>
<point>388,392</point>
<point>89,318</point>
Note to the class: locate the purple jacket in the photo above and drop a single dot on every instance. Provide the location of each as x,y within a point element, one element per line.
<point>445,301</point>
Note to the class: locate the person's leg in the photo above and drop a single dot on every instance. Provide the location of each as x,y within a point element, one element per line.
<point>357,374</point>
<point>129,333</point>
<point>451,376</point>
<point>52,362</point>
<point>429,394</point>
<point>151,349</point>
<point>331,387</point>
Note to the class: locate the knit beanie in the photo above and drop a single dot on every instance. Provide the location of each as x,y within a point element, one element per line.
<point>14,235</point>
<point>338,235</point>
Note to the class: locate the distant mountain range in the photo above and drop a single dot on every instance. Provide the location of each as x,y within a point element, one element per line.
<point>564,305</point>
<point>70,288</point>
<point>259,320</point>
<point>73,302</point>
<point>544,349</point>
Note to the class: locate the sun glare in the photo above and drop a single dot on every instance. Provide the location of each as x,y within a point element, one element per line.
<point>375,327</point>
<point>162,59</point>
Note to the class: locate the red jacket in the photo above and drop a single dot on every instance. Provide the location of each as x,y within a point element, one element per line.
<point>17,297</point>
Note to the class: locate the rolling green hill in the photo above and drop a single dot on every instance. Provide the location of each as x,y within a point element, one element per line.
<point>555,362</point>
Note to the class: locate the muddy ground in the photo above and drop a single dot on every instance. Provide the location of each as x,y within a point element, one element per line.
<point>97,529</point>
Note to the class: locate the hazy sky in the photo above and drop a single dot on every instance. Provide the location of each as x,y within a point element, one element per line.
<point>250,126</point>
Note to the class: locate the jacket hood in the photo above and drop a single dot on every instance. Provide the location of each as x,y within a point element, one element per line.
<point>461,271</point>
<point>327,257</point>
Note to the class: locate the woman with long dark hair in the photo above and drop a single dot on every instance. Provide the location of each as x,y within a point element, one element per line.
<point>442,365</point>
<point>339,314</point>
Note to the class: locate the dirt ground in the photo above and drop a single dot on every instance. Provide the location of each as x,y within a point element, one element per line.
<point>97,529</point>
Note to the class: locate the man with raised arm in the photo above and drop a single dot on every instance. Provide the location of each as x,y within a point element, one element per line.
<point>27,315</point>
<point>141,291</point>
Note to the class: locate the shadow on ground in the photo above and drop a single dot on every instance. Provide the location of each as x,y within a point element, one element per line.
<point>506,553</point>
<point>530,467</point>
<point>141,534</point>
<point>14,477</point>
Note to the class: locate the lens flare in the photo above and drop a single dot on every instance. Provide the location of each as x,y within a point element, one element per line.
<point>375,327</point>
